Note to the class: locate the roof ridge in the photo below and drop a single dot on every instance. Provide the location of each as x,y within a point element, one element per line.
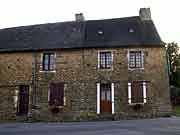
<point>49,23</point>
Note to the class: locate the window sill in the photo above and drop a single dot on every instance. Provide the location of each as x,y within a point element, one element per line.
<point>105,69</point>
<point>56,109</point>
<point>54,71</point>
<point>133,104</point>
<point>56,106</point>
<point>133,69</point>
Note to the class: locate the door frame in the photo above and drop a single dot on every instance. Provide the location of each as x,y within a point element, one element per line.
<point>98,109</point>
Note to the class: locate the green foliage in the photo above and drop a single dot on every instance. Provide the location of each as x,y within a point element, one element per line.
<point>177,110</point>
<point>175,91</point>
<point>174,63</point>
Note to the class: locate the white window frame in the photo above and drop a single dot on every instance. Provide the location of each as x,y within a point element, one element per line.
<point>112,55</point>
<point>142,59</point>
<point>112,97</point>
<point>41,64</point>
<point>144,93</point>
<point>98,99</point>
<point>16,96</point>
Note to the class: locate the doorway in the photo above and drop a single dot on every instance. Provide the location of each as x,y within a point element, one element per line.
<point>23,100</point>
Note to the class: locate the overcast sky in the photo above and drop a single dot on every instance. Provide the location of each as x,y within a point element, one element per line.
<point>165,13</point>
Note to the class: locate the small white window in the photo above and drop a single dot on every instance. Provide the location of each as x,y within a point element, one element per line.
<point>136,60</point>
<point>105,60</point>
<point>48,63</point>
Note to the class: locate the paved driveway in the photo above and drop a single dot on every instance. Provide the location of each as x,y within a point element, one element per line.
<point>160,126</point>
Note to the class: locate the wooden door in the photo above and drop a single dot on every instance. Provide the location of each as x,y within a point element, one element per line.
<point>105,104</point>
<point>23,100</point>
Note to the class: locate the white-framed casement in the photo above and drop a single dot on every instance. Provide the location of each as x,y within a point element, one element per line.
<point>112,55</point>
<point>144,93</point>
<point>98,98</point>
<point>41,63</point>
<point>142,59</point>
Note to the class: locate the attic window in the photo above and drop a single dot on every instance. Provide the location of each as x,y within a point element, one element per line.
<point>100,32</point>
<point>131,30</point>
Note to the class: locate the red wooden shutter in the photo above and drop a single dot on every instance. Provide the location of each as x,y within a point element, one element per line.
<point>60,94</point>
<point>56,94</point>
<point>52,94</point>
<point>137,92</point>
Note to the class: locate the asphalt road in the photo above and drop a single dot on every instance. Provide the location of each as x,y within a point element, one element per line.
<point>160,126</point>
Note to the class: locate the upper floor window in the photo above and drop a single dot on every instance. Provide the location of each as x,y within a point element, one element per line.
<point>48,63</point>
<point>105,60</point>
<point>136,59</point>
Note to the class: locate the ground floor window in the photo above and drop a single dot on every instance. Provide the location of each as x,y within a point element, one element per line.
<point>137,92</point>
<point>56,94</point>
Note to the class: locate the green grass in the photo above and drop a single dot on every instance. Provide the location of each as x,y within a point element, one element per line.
<point>177,110</point>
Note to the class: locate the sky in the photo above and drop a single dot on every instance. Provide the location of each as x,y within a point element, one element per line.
<point>165,13</point>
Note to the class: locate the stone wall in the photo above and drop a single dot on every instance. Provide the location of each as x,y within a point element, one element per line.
<point>78,70</point>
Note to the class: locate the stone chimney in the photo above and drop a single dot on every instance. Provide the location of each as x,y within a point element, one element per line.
<point>79,17</point>
<point>145,14</point>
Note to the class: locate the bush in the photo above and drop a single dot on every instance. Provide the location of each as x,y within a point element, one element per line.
<point>175,95</point>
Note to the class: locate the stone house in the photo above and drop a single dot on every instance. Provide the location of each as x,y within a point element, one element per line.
<point>84,70</point>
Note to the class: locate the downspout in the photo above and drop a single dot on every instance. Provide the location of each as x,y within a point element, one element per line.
<point>168,66</point>
<point>34,81</point>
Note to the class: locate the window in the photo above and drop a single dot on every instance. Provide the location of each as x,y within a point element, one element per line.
<point>105,60</point>
<point>48,62</point>
<point>100,32</point>
<point>106,92</point>
<point>135,59</point>
<point>131,30</point>
<point>56,94</point>
<point>137,92</point>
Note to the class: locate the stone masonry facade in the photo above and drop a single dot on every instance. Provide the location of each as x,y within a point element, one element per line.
<point>78,70</point>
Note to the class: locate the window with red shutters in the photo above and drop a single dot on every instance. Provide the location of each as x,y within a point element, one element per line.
<point>137,92</point>
<point>56,94</point>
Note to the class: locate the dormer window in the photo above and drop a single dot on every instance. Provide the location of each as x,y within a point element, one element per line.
<point>131,30</point>
<point>100,32</point>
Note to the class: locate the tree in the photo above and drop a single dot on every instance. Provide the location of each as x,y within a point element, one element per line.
<point>174,63</point>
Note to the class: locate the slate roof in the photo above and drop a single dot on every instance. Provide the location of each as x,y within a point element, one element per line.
<point>129,31</point>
